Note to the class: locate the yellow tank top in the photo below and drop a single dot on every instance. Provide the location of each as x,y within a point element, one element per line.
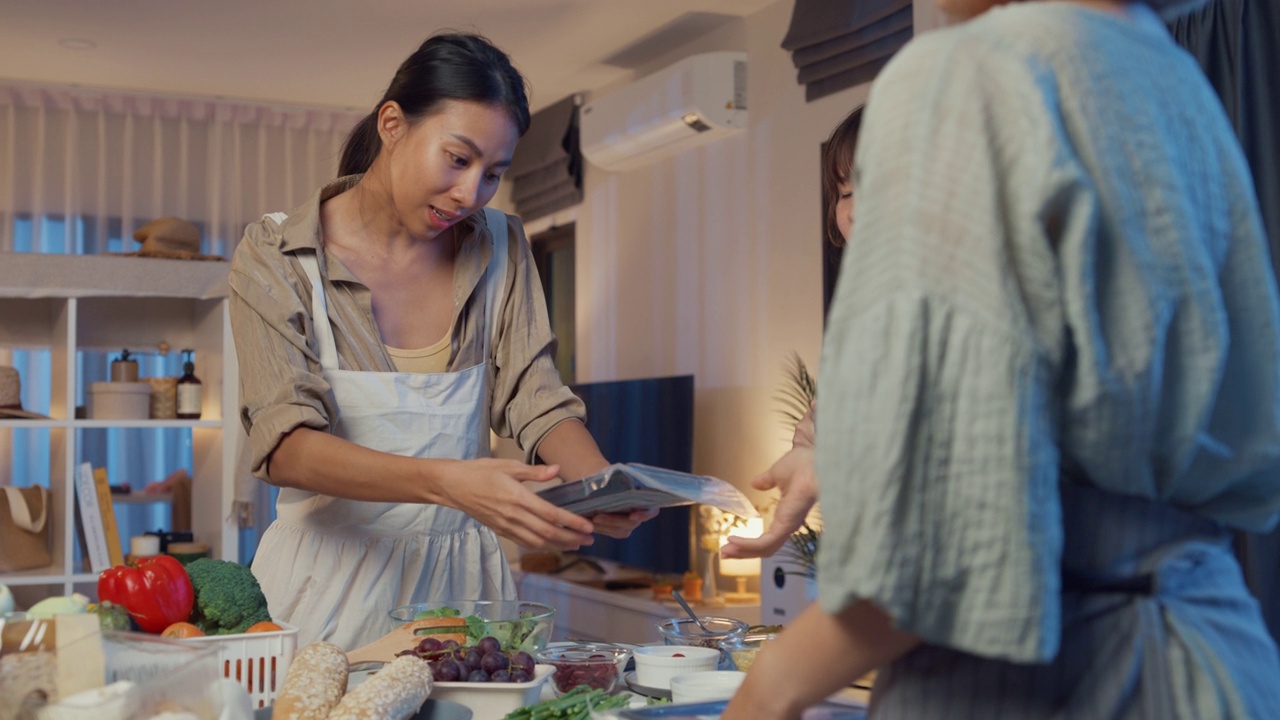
<point>433,359</point>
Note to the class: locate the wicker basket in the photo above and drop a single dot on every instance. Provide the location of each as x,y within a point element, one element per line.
<point>164,397</point>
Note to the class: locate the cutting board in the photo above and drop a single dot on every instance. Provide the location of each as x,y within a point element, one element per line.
<point>405,637</point>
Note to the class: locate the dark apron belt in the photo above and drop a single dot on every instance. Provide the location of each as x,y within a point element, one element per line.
<point>1107,536</point>
<point>1144,584</point>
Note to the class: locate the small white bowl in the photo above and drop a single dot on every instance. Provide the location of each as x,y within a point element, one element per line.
<point>657,664</point>
<point>705,686</point>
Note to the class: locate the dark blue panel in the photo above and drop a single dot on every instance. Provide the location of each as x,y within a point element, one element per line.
<point>646,421</point>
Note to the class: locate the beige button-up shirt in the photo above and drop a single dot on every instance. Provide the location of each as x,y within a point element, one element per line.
<point>281,386</point>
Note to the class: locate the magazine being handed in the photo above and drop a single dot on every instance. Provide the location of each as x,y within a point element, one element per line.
<point>623,487</point>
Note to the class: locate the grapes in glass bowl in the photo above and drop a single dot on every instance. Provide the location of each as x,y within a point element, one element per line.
<point>596,665</point>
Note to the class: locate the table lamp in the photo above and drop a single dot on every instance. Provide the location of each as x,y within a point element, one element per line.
<point>742,568</point>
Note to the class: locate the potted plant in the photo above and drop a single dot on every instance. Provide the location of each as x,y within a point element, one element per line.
<point>781,594</point>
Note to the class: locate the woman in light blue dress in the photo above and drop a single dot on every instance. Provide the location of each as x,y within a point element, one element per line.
<point>1050,387</point>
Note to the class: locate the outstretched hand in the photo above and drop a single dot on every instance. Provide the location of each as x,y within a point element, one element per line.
<point>492,491</point>
<point>794,475</point>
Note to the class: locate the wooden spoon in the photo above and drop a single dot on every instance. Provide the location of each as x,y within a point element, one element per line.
<point>406,637</point>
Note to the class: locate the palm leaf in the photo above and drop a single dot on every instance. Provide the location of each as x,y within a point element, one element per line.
<point>798,392</point>
<point>802,549</point>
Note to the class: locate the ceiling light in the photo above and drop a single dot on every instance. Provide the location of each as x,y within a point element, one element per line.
<point>78,44</point>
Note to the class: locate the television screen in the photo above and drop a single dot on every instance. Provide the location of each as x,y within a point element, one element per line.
<point>646,421</point>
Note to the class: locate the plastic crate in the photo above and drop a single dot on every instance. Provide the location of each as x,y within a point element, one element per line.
<point>168,674</point>
<point>258,661</point>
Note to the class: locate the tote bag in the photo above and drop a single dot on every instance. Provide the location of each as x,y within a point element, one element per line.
<point>24,528</point>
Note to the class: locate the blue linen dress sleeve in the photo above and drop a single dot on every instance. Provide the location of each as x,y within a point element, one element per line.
<point>936,448</point>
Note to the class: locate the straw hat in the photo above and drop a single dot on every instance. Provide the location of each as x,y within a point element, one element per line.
<point>11,396</point>
<point>170,237</point>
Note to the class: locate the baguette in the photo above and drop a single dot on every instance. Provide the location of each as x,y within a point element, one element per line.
<point>395,692</point>
<point>316,680</point>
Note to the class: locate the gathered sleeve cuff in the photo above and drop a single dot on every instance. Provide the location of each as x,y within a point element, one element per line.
<point>938,477</point>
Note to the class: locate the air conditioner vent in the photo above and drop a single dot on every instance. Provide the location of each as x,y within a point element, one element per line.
<point>698,100</point>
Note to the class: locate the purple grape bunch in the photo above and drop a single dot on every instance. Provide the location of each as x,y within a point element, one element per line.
<point>485,661</point>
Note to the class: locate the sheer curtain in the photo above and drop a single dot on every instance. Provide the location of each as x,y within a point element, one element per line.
<point>82,169</point>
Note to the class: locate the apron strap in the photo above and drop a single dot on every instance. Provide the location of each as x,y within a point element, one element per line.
<point>495,291</point>
<point>495,277</point>
<point>319,308</point>
<point>319,312</point>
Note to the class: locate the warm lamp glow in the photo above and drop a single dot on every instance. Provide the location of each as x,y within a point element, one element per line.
<point>742,568</point>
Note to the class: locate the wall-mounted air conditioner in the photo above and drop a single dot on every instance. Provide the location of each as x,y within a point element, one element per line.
<point>693,102</point>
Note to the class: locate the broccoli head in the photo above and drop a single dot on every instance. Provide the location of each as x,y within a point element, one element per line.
<point>228,597</point>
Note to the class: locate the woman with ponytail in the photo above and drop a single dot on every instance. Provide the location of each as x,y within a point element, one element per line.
<point>384,328</point>
<point>1050,388</point>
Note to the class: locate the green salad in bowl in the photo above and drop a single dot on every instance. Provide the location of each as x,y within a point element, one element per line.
<point>516,624</point>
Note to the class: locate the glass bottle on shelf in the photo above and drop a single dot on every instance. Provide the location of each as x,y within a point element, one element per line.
<point>190,389</point>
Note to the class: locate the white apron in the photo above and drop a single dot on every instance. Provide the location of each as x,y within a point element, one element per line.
<point>335,567</point>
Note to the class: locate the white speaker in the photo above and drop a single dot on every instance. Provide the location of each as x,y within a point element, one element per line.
<point>784,591</point>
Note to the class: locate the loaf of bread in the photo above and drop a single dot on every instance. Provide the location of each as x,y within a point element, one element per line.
<point>316,680</point>
<point>393,693</point>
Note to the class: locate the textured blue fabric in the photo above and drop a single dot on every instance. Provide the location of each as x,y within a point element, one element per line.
<point>1235,43</point>
<point>1057,261</point>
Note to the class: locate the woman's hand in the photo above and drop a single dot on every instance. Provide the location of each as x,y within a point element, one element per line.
<point>794,475</point>
<point>621,525</point>
<point>492,491</point>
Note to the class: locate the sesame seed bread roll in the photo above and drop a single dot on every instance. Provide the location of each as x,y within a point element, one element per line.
<point>395,692</point>
<point>316,680</point>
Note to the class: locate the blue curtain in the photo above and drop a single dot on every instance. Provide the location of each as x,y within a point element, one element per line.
<point>1237,43</point>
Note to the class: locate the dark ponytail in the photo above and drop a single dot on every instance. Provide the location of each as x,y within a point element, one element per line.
<point>362,146</point>
<point>449,66</point>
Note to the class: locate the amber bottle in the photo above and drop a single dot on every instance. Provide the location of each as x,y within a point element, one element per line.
<point>190,389</point>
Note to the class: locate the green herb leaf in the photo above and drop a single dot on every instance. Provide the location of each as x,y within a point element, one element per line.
<point>441,612</point>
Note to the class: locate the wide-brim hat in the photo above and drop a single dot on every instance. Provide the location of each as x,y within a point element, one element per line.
<point>11,396</point>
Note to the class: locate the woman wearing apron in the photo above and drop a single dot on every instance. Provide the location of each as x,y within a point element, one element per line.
<point>1049,388</point>
<point>382,329</point>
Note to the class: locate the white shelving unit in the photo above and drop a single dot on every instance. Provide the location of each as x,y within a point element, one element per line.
<point>67,304</point>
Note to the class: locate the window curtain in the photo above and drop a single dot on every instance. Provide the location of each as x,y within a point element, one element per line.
<point>1235,43</point>
<point>81,170</point>
<point>546,172</point>
<point>837,44</point>
<point>86,168</point>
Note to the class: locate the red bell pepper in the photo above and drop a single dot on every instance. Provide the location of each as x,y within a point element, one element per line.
<point>156,591</point>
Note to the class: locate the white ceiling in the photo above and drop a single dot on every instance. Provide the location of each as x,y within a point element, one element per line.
<point>338,53</point>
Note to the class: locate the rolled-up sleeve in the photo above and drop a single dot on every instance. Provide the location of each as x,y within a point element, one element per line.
<point>280,383</point>
<point>529,397</point>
